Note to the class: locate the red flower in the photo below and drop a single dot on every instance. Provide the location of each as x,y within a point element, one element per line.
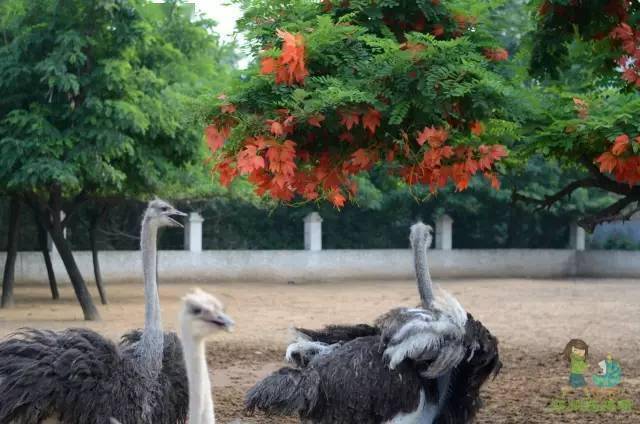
<point>497,55</point>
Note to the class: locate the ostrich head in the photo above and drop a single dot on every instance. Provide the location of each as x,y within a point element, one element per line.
<point>420,231</point>
<point>160,214</point>
<point>203,315</point>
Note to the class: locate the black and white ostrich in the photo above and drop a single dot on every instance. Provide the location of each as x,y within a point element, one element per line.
<point>78,376</point>
<point>415,365</point>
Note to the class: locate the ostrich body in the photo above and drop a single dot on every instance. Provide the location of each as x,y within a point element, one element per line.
<point>78,376</point>
<point>414,365</point>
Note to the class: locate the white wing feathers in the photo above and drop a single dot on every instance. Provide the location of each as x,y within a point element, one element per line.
<point>432,337</point>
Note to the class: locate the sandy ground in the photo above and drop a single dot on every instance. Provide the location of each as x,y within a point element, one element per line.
<point>533,320</point>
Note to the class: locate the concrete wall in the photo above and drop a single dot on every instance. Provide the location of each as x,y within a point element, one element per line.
<point>299,265</point>
<point>608,263</point>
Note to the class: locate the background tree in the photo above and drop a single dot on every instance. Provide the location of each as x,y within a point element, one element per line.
<point>585,100</point>
<point>183,49</point>
<point>95,103</point>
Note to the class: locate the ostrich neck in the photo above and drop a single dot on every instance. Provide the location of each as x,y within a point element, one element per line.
<point>200,401</point>
<point>151,346</point>
<point>425,286</point>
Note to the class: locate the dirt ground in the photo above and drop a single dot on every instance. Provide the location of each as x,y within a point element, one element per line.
<point>533,320</point>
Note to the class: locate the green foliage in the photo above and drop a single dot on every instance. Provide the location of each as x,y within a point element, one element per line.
<point>372,68</point>
<point>561,24</point>
<point>611,113</point>
<point>102,96</point>
<point>575,103</point>
<point>616,242</point>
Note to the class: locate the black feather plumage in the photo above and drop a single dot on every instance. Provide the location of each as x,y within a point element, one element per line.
<point>463,401</point>
<point>353,384</point>
<point>79,377</point>
<point>339,333</point>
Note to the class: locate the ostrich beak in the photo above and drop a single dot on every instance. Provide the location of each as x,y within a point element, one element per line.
<point>173,222</point>
<point>224,321</point>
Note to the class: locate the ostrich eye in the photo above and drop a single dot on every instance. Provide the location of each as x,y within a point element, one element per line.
<point>164,209</point>
<point>196,311</point>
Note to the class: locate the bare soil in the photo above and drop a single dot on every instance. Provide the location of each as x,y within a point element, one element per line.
<point>533,320</point>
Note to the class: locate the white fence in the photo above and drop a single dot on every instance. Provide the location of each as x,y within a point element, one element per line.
<point>301,265</point>
<point>315,264</point>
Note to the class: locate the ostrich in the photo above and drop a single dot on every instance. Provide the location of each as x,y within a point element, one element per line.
<point>201,315</point>
<point>78,376</point>
<point>414,365</point>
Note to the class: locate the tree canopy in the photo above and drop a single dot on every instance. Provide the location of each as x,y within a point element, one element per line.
<point>98,98</point>
<point>584,68</point>
<point>428,90</point>
<point>342,86</point>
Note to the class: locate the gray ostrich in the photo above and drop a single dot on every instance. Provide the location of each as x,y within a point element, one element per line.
<point>201,316</point>
<point>78,376</point>
<point>415,365</point>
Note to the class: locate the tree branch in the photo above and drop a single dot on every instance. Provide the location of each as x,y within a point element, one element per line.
<point>519,197</point>
<point>567,190</point>
<point>548,201</point>
<point>611,213</point>
<point>607,183</point>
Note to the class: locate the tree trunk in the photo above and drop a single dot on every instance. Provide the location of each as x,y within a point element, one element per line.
<point>12,252</point>
<point>79,286</point>
<point>93,237</point>
<point>49,217</point>
<point>44,247</point>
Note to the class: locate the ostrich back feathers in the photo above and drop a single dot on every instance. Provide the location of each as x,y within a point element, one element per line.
<point>338,333</point>
<point>354,384</point>
<point>350,385</point>
<point>430,336</point>
<point>78,376</point>
<point>287,391</point>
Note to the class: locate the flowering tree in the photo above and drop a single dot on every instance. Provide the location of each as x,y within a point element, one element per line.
<point>586,55</point>
<point>345,85</point>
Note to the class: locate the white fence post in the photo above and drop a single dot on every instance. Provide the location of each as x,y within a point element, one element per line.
<point>444,233</point>
<point>313,232</point>
<point>193,233</point>
<point>576,237</point>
